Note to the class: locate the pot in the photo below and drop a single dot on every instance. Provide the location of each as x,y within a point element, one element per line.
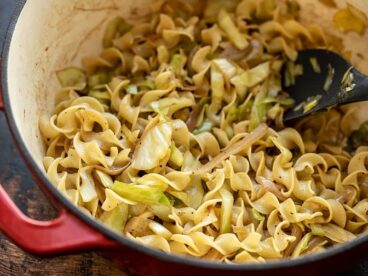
<point>48,35</point>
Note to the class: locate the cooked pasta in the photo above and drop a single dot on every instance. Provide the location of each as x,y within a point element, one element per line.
<point>174,136</point>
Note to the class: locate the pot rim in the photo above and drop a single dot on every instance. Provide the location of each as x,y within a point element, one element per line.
<point>120,239</point>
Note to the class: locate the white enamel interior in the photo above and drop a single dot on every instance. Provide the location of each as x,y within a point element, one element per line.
<point>53,34</point>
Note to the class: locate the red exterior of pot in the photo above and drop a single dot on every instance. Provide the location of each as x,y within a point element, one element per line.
<point>69,233</point>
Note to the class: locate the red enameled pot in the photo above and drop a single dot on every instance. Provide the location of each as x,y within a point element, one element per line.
<point>47,35</point>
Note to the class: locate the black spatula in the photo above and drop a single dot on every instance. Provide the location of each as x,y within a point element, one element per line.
<point>328,80</point>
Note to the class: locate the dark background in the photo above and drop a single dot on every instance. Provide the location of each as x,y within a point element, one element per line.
<point>17,181</point>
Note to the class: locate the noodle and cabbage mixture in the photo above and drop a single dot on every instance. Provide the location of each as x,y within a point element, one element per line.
<point>174,136</point>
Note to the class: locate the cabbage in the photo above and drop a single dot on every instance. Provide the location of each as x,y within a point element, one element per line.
<point>195,192</point>
<point>101,77</point>
<point>115,28</point>
<point>101,96</point>
<point>154,146</point>
<point>72,77</point>
<point>226,210</point>
<point>132,89</point>
<point>214,6</point>
<point>254,76</point>
<point>168,106</point>
<point>256,215</point>
<point>291,72</point>
<point>229,27</point>
<point>140,194</point>
<point>329,78</point>
<point>282,101</point>
<point>259,109</point>
<point>161,211</point>
<point>176,156</point>
<point>177,63</point>
<point>315,65</point>
<point>226,68</point>
<point>358,137</point>
<point>302,245</point>
<point>265,9</point>
<point>317,230</point>
<point>116,218</point>
<point>337,233</point>
<point>206,126</point>
<point>218,90</point>
<point>104,179</point>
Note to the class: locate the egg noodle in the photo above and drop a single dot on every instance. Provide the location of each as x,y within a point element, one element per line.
<point>174,136</point>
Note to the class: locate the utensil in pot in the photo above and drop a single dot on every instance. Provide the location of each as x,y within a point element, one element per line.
<point>327,80</point>
<point>20,67</point>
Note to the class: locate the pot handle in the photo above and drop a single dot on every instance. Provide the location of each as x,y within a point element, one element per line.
<point>65,234</point>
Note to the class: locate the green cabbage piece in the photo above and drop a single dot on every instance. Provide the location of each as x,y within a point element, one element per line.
<point>358,137</point>
<point>214,6</point>
<point>302,245</point>
<point>254,76</point>
<point>206,126</point>
<point>228,26</point>
<point>226,210</point>
<point>288,102</point>
<point>257,215</point>
<point>101,96</point>
<point>315,65</point>
<point>259,109</point>
<point>141,194</point>
<point>99,78</point>
<point>116,218</point>
<point>265,9</point>
<point>177,63</point>
<point>317,230</point>
<point>176,156</point>
<point>72,77</point>
<point>115,28</point>
<point>132,89</point>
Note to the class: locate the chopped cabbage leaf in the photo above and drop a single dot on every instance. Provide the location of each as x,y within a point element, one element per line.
<point>154,146</point>
<point>302,245</point>
<point>99,78</point>
<point>226,68</point>
<point>265,9</point>
<point>116,218</point>
<point>329,78</point>
<point>337,233</point>
<point>256,215</point>
<point>317,230</point>
<point>358,137</point>
<point>115,28</point>
<point>132,89</point>
<point>315,65</point>
<point>228,26</point>
<point>72,77</point>
<point>176,156</point>
<point>259,108</point>
<point>141,194</point>
<point>206,126</point>
<point>226,210</point>
<point>256,75</point>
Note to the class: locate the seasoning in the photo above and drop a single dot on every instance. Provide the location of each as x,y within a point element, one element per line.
<point>315,65</point>
<point>309,104</point>
<point>347,82</point>
<point>329,78</point>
